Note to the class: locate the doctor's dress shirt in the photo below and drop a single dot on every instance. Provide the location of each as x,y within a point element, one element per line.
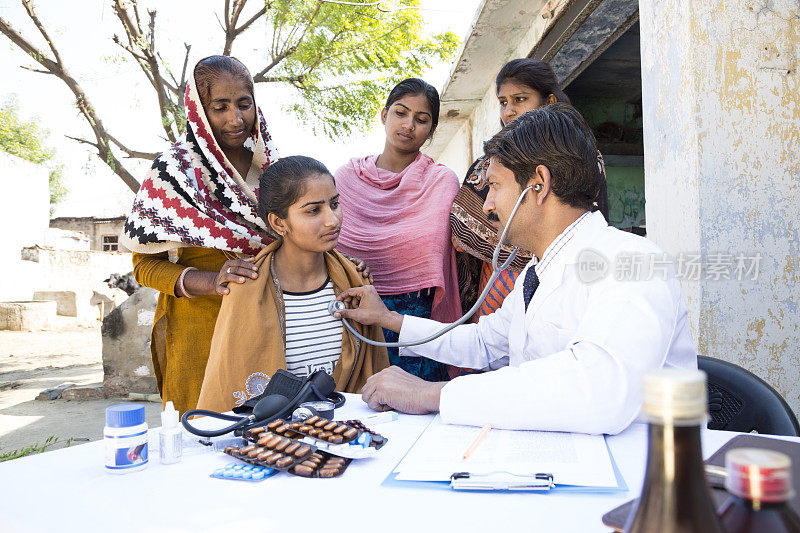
<point>607,309</point>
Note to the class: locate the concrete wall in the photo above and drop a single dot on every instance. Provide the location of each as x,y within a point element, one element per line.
<point>721,98</point>
<point>24,217</point>
<point>80,272</point>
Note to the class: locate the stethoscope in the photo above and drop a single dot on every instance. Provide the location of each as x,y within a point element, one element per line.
<point>336,305</point>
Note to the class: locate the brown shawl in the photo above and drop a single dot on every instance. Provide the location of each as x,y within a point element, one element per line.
<point>249,342</point>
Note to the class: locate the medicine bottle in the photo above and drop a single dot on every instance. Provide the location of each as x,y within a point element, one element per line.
<point>760,486</point>
<point>125,436</point>
<point>170,436</point>
<point>675,496</point>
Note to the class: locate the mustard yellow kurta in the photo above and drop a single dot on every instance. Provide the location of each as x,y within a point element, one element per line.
<point>182,327</point>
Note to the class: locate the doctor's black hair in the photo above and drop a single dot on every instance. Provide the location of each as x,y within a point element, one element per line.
<point>415,86</point>
<point>283,183</point>
<point>556,136</point>
<point>532,73</point>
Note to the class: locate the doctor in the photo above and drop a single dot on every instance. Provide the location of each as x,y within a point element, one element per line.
<point>569,346</point>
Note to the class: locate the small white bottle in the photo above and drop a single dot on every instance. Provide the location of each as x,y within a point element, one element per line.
<point>170,436</point>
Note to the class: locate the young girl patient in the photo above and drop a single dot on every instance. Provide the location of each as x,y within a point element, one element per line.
<point>280,319</point>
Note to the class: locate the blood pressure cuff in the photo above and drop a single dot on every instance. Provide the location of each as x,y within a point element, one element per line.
<point>282,382</point>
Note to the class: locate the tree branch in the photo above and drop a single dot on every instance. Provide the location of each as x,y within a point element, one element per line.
<point>232,19</point>
<point>142,48</point>
<point>39,26</point>
<point>86,109</point>
<point>243,27</point>
<point>38,71</point>
<point>283,55</point>
<point>84,141</point>
<point>133,153</point>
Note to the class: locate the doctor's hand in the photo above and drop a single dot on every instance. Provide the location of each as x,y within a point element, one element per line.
<point>394,388</point>
<point>365,306</point>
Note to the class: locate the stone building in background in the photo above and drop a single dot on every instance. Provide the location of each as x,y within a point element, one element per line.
<point>103,233</point>
<point>696,109</point>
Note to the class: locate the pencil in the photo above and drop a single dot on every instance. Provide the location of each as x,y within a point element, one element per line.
<point>482,435</point>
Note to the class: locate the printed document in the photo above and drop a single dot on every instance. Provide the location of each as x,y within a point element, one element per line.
<point>572,458</point>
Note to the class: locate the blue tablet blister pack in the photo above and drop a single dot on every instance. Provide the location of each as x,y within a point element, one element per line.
<point>243,472</point>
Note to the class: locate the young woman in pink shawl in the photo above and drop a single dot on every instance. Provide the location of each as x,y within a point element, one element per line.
<point>396,209</point>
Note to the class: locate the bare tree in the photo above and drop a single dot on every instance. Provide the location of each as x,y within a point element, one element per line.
<point>312,41</point>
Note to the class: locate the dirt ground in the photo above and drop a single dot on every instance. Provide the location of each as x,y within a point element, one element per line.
<point>31,362</point>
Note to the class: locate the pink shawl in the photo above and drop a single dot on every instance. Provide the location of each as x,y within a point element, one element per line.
<point>399,224</point>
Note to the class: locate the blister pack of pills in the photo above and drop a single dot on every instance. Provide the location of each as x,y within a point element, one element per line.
<point>273,451</point>
<point>321,465</point>
<point>345,439</point>
<point>243,472</point>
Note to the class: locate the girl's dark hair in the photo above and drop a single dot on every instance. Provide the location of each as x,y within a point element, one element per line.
<point>283,183</point>
<point>208,70</point>
<point>533,73</point>
<point>556,136</point>
<point>415,86</point>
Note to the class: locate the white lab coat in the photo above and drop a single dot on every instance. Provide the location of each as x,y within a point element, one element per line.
<point>575,360</point>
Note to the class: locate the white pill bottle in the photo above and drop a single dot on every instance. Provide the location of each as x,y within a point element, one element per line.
<point>125,436</point>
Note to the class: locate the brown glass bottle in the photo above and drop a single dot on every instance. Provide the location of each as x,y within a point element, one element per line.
<point>675,495</point>
<point>759,483</point>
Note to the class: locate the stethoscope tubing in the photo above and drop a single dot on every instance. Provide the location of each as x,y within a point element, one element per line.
<point>496,269</point>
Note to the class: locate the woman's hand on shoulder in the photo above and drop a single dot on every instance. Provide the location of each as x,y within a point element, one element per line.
<point>361,266</point>
<point>234,271</point>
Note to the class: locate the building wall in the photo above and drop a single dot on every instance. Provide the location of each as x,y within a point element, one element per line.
<point>94,228</point>
<point>24,217</point>
<point>462,148</point>
<point>77,271</point>
<point>721,98</point>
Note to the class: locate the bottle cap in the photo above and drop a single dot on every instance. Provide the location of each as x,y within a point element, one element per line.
<point>169,416</point>
<point>124,415</point>
<point>758,474</point>
<point>675,396</point>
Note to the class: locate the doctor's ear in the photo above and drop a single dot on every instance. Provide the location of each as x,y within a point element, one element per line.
<point>541,183</point>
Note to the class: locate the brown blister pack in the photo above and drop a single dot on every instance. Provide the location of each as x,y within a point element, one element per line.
<point>321,465</point>
<point>275,451</point>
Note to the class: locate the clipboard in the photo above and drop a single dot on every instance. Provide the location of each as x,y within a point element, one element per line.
<point>535,484</point>
<point>505,481</point>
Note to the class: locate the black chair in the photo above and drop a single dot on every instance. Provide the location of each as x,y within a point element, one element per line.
<point>738,400</point>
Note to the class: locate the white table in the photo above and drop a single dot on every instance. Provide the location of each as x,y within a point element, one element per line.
<point>69,490</point>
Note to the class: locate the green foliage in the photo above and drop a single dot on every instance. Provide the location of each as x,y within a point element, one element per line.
<point>25,140</point>
<point>32,449</point>
<point>344,60</point>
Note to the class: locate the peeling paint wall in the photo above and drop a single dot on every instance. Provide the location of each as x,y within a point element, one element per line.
<point>721,99</point>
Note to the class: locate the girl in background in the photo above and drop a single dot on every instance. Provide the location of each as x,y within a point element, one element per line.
<point>396,208</point>
<point>522,85</point>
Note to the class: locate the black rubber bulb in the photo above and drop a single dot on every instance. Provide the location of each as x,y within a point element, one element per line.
<point>269,405</point>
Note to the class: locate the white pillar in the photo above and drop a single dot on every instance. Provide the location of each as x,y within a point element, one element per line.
<point>721,103</point>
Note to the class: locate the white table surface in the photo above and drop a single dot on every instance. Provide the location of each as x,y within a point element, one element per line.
<point>69,490</point>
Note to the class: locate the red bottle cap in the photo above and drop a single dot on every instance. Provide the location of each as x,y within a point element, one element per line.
<point>759,475</point>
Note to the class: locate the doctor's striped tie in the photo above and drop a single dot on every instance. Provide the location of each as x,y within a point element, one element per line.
<point>530,285</point>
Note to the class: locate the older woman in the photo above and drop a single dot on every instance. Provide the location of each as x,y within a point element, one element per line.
<point>198,200</point>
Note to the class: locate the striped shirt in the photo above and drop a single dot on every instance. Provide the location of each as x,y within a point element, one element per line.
<point>313,336</point>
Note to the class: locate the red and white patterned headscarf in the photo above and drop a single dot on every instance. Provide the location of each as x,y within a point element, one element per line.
<point>193,196</point>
